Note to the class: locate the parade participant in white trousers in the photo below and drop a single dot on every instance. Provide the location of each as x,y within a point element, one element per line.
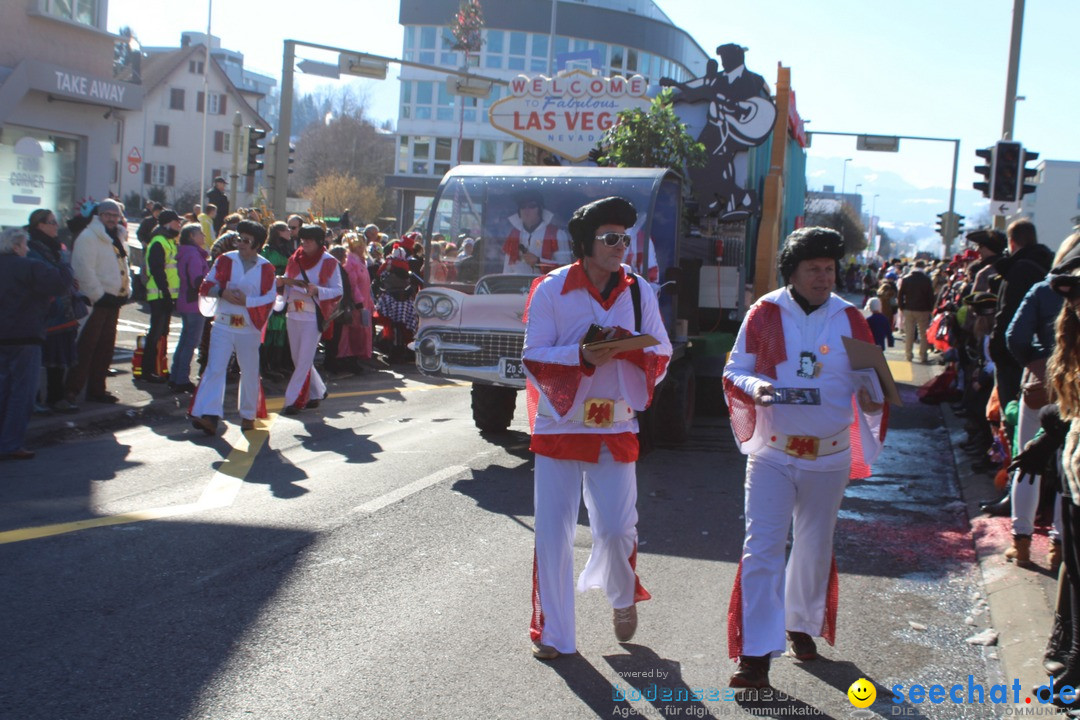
<point>238,292</point>
<point>801,455</point>
<point>582,405</point>
<point>311,277</point>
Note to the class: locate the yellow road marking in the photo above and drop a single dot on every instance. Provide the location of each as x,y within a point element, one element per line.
<point>901,370</point>
<point>220,492</point>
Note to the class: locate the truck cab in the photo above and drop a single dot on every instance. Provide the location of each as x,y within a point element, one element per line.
<point>470,311</point>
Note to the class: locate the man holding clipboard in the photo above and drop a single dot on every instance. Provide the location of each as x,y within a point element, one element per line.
<point>588,375</point>
<point>809,423</point>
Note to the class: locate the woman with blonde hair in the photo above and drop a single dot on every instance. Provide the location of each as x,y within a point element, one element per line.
<point>356,337</point>
<point>1061,426</point>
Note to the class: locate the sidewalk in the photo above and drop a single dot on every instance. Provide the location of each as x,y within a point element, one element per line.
<point>1020,600</point>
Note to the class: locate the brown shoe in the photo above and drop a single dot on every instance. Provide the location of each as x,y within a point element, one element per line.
<point>1055,557</point>
<point>246,424</point>
<point>625,623</point>
<point>753,672</point>
<point>544,652</point>
<point>206,423</point>
<point>802,646</point>
<point>1020,552</point>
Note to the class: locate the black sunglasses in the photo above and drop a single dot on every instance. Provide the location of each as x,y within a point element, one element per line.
<point>612,239</point>
<point>1069,287</point>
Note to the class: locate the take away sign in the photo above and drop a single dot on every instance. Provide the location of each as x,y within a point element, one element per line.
<point>567,114</point>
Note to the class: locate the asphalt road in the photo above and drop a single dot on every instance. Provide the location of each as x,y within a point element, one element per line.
<point>373,558</point>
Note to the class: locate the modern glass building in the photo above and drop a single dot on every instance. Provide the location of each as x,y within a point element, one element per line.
<point>437,129</point>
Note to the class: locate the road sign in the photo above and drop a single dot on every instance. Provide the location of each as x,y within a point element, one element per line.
<point>1004,209</point>
<point>878,143</point>
<point>133,168</point>
<point>134,157</point>
<point>311,67</point>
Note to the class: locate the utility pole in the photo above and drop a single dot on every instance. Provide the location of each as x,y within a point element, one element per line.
<point>234,176</point>
<point>281,151</point>
<point>1011,81</point>
<point>1013,76</point>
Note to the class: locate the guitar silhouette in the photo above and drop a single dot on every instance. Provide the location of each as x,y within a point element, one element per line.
<point>750,120</point>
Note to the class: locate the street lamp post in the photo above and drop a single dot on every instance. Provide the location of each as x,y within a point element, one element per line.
<point>843,179</point>
<point>873,221</point>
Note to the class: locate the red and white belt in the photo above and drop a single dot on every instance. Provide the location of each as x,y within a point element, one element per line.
<point>597,413</point>
<point>809,447</point>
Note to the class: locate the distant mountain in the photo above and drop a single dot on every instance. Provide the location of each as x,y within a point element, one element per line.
<point>909,213</point>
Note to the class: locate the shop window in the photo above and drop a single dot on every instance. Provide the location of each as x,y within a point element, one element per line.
<point>442,148</point>
<point>631,61</point>
<point>511,154</point>
<point>427,45</point>
<point>487,151</point>
<point>466,151</point>
<point>41,172</point>
<point>176,99</point>
<point>161,135</point>
<point>403,155</point>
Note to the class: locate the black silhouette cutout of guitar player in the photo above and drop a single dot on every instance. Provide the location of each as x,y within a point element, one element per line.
<point>740,115</point>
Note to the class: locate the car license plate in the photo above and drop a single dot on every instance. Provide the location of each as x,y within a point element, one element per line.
<point>511,369</point>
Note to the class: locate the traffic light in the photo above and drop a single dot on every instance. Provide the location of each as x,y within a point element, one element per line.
<point>254,149</point>
<point>942,224</point>
<point>1027,172</point>
<point>1005,186</point>
<point>292,158</point>
<point>958,225</point>
<point>987,154</point>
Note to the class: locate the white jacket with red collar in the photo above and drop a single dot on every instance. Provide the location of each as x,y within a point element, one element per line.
<point>781,345</point>
<point>561,307</point>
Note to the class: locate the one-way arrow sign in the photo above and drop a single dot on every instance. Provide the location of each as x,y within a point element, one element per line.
<point>311,67</point>
<point>1005,209</point>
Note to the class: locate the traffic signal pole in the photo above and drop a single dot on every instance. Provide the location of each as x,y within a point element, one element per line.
<point>1012,78</point>
<point>955,162</point>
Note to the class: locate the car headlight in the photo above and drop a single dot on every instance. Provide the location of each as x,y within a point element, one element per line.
<point>425,306</point>
<point>444,307</point>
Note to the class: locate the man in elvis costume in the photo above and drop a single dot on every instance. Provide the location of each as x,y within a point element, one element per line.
<point>801,456</point>
<point>312,276</point>
<point>238,292</point>
<point>535,244</point>
<point>582,407</point>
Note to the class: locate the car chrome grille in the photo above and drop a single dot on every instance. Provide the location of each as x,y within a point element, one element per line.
<point>492,347</point>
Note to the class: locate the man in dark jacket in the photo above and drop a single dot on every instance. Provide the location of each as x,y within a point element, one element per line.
<point>916,301</point>
<point>29,287</point>
<point>216,195</point>
<point>1026,264</point>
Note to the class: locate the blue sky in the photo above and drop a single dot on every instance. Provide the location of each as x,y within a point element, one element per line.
<point>919,67</point>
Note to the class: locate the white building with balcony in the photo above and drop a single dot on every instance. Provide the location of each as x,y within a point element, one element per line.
<point>437,129</point>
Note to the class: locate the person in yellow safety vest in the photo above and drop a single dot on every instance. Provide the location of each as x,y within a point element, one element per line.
<point>162,287</point>
<point>206,219</point>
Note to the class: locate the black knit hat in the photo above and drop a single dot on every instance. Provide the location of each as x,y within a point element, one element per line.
<point>994,240</point>
<point>587,218</point>
<point>809,243</point>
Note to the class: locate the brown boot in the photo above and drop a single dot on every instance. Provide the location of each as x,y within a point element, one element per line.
<point>753,672</point>
<point>625,620</point>
<point>1055,557</point>
<point>803,647</point>
<point>1020,552</point>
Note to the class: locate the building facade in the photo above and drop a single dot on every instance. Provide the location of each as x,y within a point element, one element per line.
<point>437,129</point>
<point>167,131</point>
<point>61,108</point>
<point>1055,206</point>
